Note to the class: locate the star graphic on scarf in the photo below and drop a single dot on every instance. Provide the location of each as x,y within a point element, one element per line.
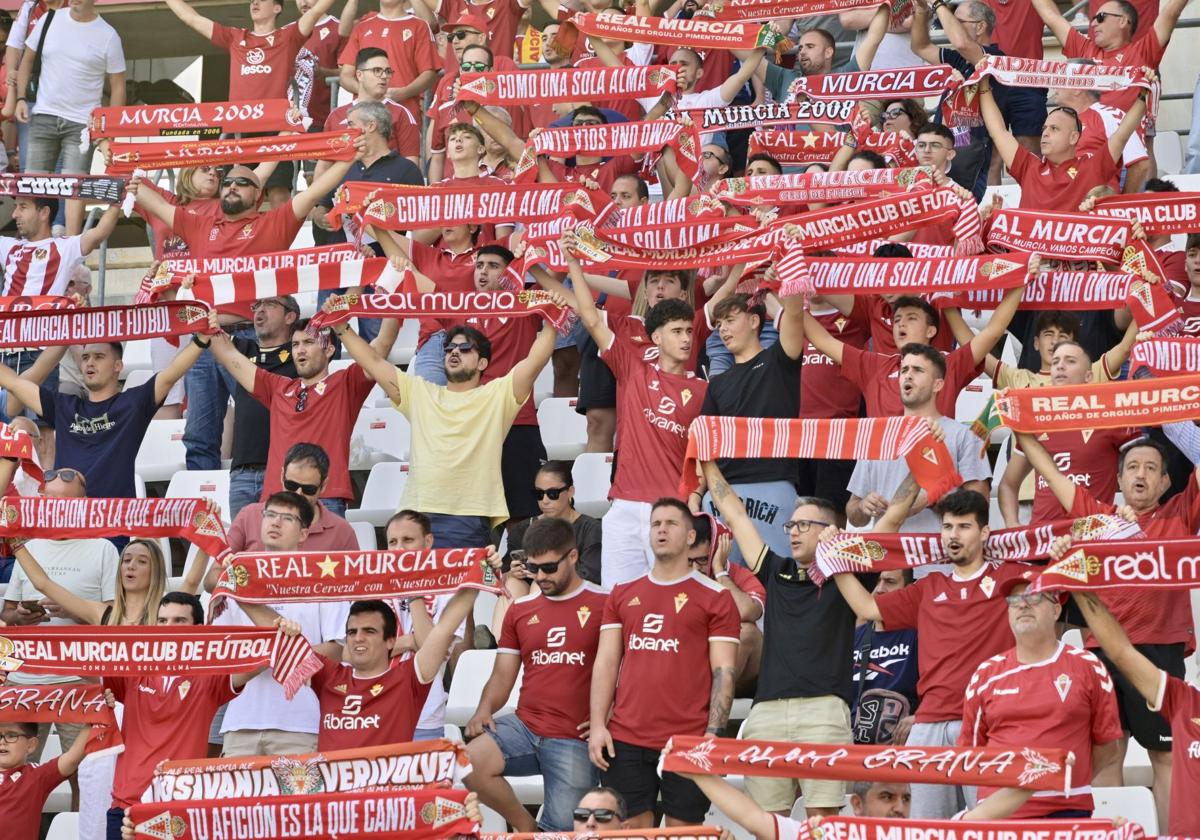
<point>810,140</point>
<point>328,567</point>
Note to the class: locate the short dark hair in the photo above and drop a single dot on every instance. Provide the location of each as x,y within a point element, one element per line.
<point>589,111</point>
<point>1193,241</point>
<point>683,275</point>
<point>29,730</point>
<point>423,521</point>
<point>1144,443</point>
<point>702,525</point>
<point>765,158</point>
<point>1059,320</point>
<point>497,251</point>
<point>672,502</point>
<point>562,470</point>
<point>366,54</point>
<point>286,498</point>
<point>548,535</point>
<point>117,347</point>
<point>41,202</point>
<point>308,453</point>
<point>666,311</point>
<point>491,56</point>
<point>481,341</point>
<point>893,250</point>
<point>1131,13</point>
<point>305,325</point>
<point>186,599</point>
<point>618,799</point>
<point>962,502</point>
<point>820,503</point>
<point>823,34</point>
<point>930,354</point>
<point>1160,185</point>
<point>643,189</point>
<point>914,302</point>
<point>740,303</point>
<point>376,606</point>
<point>1072,342</point>
<point>940,130</point>
<point>876,160</point>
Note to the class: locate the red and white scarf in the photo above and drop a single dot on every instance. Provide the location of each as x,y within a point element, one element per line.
<point>900,83</point>
<point>698,32</point>
<point>654,215</point>
<point>424,764</point>
<point>1161,213</point>
<point>27,303</point>
<point>267,578</point>
<point>1166,356</point>
<point>48,328</point>
<point>682,832</point>
<point>915,276</point>
<point>45,517</point>
<point>796,148</point>
<point>807,111</point>
<point>220,290</point>
<point>447,204</point>
<point>87,651</point>
<point>870,438</point>
<point>1061,236</point>
<point>534,87</point>
<point>1141,564</point>
<point>611,139</point>
<point>1108,405</point>
<point>875,828</point>
<point>1152,307</point>
<point>1071,290</point>
<point>353,815</point>
<point>1031,768</point>
<point>508,304</point>
<point>103,188</point>
<point>918,249</point>
<point>1012,71</point>
<point>858,553</point>
<point>73,703</point>
<point>765,10</point>
<point>324,145</point>
<point>15,443</point>
<point>212,118</point>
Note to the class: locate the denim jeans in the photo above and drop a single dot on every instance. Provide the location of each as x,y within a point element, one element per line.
<point>337,506</point>
<point>429,363</point>
<point>562,762</point>
<point>20,362</point>
<point>245,488</point>
<point>51,136</point>
<point>719,357</point>
<point>208,387</point>
<point>459,531</point>
<point>368,328</point>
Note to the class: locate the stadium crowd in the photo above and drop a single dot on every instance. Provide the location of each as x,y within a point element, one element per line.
<point>743,282</point>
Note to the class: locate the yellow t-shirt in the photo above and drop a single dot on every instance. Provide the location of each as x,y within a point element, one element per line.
<point>1008,376</point>
<point>454,457</point>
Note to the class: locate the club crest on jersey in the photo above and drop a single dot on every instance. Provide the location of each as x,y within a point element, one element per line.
<point>987,585</point>
<point>1062,684</point>
<point>680,601</point>
<point>184,687</point>
<point>340,689</point>
<point>1087,434</point>
<point>247,230</point>
<point>407,35</point>
<point>532,621</point>
<point>840,323</point>
<point>1072,172</point>
<point>583,614</point>
<point>40,254</point>
<point>686,395</point>
<point>635,601</point>
<point>377,689</point>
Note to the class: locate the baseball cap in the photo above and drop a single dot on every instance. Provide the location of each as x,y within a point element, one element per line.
<point>1029,576</point>
<point>467,21</point>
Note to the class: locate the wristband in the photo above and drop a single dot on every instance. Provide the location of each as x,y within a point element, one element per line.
<point>721,574</point>
<point>22,99</point>
<point>203,345</point>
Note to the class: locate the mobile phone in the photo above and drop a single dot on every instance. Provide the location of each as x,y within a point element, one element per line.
<point>34,606</point>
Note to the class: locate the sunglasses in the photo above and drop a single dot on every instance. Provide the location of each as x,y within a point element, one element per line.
<point>546,568</point>
<point>461,34</point>
<point>297,487</point>
<point>460,346</point>
<point>65,474</point>
<point>474,67</point>
<point>238,181</point>
<point>553,492</point>
<point>1100,17</point>
<point>602,815</point>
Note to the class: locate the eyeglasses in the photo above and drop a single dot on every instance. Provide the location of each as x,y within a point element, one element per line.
<point>297,487</point>
<point>13,737</point>
<point>206,170</point>
<point>380,72</point>
<point>714,156</point>
<point>602,815</point>
<point>894,113</point>
<point>1029,599</point>
<point>265,302</point>
<point>302,402</point>
<point>238,181</point>
<point>923,146</point>
<point>698,559</point>
<point>66,475</point>
<point>552,492</point>
<point>1100,17</point>
<point>578,123</point>
<point>546,568</point>
<point>280,516</point>
<point>803,525</point>
<point>460,346</point>
<point>462,34</point>
<point>475,67</point>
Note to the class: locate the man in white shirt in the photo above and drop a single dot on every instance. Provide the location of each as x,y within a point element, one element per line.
<point>78,50</point>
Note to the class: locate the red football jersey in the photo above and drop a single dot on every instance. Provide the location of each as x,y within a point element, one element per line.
<point>654,411</point>
<point>325,44</point>
<point>1088,458</point>
<point>666,628</point>
<point>1190,309</point>
<point>368,711</point>
<point>406,133</point>
<point>824,392</point>
<point>556,639</point>
<point>960,622</point>
<point>23,792</point>
<point>408,42</point>
<point>1179,703</point>
<point>209,234</point>
<point>879,378</point>
<point>1018,28</point>
<point>603,173</point>
<point>1143,52</point>
<point>1154,617</point>
<point>165,718</point>
<point>38,268</point>
<point>502,16</point>
<point>260,66</point>
<point>1067,701</point>
<point>876,314</point>
<point>1060,186</point>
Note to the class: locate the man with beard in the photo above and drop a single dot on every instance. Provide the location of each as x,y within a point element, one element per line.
<point>960,618</point>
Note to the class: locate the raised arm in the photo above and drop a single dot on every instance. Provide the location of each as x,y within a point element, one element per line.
<point>192,18</point>
<point>1129,123</point>
<point>1168,16</point>
<point>791,327</point>
<point>304,202</point>
<point>734,84</point>
<point>240,368</point>
<point>864,56</point>
<point>734,513</point>
<point>821,339</point>
<point>513,145</point>
<point>193,578</point>
<point>25,390</point>
<point>150,201</point>
<point>1061,486</point>
<point>84,609</point>
<point>525,372</point>
<point>737,805</point>
<point>374,365</point>
<point>592,320</point>
<point>308,21</point>
<point>436,648</point>
<point>962,43</point>
<point>1009,490</point>
<point>69,761</point>
<point>899,508</point>
<point>1059,26</point>
<point>90,240</point>
<point>994,329</point>
<point>166,378</point>
<point>1005,143</point>
<point>919,36</point>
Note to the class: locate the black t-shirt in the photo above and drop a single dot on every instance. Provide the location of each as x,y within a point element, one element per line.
<point>808,634</point>
<point>766,386</point>
<point>1098,334</point>
<point>973,157</point>
<point>252,419</point>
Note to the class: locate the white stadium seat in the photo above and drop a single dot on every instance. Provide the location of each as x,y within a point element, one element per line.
<point>137,377</point>
<point>161,454</point>
<point>592,475</point>
<point>1168,153</point>
<point>379,435</point>
<point>381,496</point>
<point>202,484</point>
<point>406,343</point>
<point>564,431</point>
<point>972,399</point>
<point>1135,804</point>
<point>543,386</point>
<point>365,531</point>
<point>471,673</point>
<point>65,825</point>
<point>136,357</point>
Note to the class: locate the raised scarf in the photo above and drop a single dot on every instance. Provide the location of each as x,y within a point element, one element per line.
<point>200,650</point>
<point>857,552</point>
<point>918,249</point>
<point>611,139</point>
<point>203,118</point>
<point>875,828</point>
<point>870,438</point>
<point>267,578</point>
<point>1144,564</point>
<point>1060,236</point>
<point>1152,307</point>
<point>1165,356</point>
<point>796,148</point>
<point>1161,213</point>
<point>900,83</point>
<point>765,10</point>
<point>246,263</point>
<point>508,304</point>
<point>26,303</point>
<point>1072,290</point>
<point>46,517</point>
<point>64,704</point>
<point>698,32</point>
<point>397,207</point>
<point>682,832</point>
<point>17,444</point>
<point>219,290</point>
<point>904,276</point>
<point>660,214</point>
<point>532,87</point>
<point>324,145</point>
<point>834,227</point>
<point>423,764</point>
<point>688,234</point>
<point>828,111</point>
<point>352,815</point>
<point>1108,405</point>
<point>104,188</point>
<point>1031,72</point>
<point>47,328</point>
<point>1031,768</point>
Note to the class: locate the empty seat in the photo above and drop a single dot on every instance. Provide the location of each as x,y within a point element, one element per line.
<point>161,454</point>
<point>137,377</point>
<point>379,435</point>
<point>65,825</point>
<point>592,475</point>
<point>406,342</point>
<point>381,496</point>
<point>1135,804</point>
<point>564,432</point>
<point>136,357</point>
<point>471,673</point>
<point>202,484</point>
<point>365,531</point>
<point>972,399</point>
<point>1168,153</point>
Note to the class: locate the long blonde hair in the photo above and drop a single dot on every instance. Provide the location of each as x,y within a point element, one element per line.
<point>158,586</point>
<point>185,186</point>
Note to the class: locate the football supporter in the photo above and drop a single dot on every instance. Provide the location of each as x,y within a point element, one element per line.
<point>961,620</point>
<point>815,51</point>
<point>873,483</point>
<point>36,262</point>
<point>1158,623</point>
<point>553,634</point>
<point>403,136</point>
<point>672,634</point>
<point>1059,178</point>
<point>317,406</point>
<point>1043,693</point>
<point>1087,457</point>
<point>554,489</point>
<point>1166,694</point>
<point>1100,122</point>
<point>804,687</point>
<point>316,63</point>
<point>26,785</point>
<point>1189,307</point>
<point>408,42</point>
<point>600,809</point>
<point>885,674</point>
<point>763,382</point>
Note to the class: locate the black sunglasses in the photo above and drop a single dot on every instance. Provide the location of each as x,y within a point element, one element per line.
<point>1100,17</point>
<point>602,815</point>
<point>460,346</point>
<point>238,180</point>
<point>553,492</point>
<point>547,569</point>
<point>65,474</point>
<point>297,487</point>
<point>461,35</point>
